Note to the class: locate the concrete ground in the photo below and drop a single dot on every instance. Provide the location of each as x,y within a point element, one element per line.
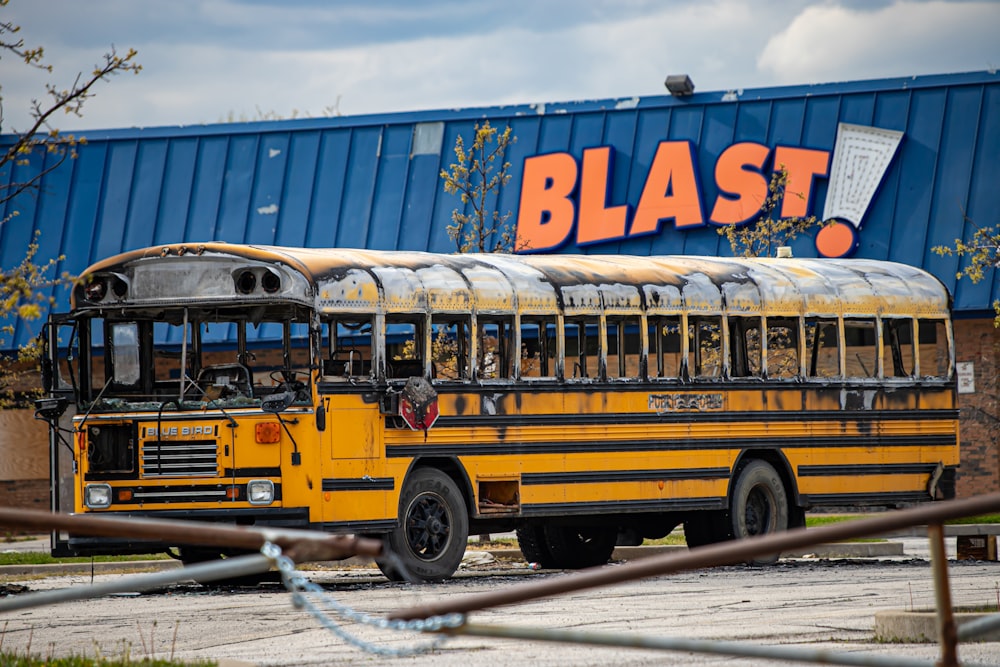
<point>810,603</point>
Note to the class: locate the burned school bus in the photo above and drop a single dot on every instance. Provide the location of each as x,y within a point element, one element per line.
<point>582,401</point>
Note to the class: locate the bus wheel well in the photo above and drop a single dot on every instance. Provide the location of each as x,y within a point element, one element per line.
<point>453,469</point>
<point>781,465</point>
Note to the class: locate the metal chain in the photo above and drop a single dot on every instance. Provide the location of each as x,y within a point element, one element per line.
<point>306,594</point>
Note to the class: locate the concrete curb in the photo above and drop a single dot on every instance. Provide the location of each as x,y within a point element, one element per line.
<point>920,627</point>
<point>950,530</point>
<point>53,569</point>
<point>845,550</point>
<point>837,550</point>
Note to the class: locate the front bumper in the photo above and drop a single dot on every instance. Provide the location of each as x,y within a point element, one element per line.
<point>87,545</point>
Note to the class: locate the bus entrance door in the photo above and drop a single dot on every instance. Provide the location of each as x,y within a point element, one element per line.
<point>356,481</point>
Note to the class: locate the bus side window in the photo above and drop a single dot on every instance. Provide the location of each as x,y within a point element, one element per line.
<point>704,347</point>
<point>782,348</point>
<point>450,347</point>
<point>933,348</point>
<point>822,341</point>
<point>581,344</point>
<point>538,346</point>
<point>897,347</point>
<point>404,346</point>
<point>350,348</point>
<point>744,347</point>
<point>624,346</point>
<point>495,336</point>
<point>860,348</point>
<point>664,334</point>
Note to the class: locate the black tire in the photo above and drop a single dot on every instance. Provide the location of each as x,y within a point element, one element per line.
<point>704,528</point>
<point>534,548</point>
<point>577,547</point>
<point>759,505</point>
<point>195,555</point>
<point>433,531</point>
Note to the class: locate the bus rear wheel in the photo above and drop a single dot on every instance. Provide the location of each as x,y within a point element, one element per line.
<point>577,547</point>
<point>759,505</point>
<point>430,540</point>
<point>534,547</point>
<point>707,527</point>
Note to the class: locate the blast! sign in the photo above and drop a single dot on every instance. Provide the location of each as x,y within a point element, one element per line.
<point>561,195</point>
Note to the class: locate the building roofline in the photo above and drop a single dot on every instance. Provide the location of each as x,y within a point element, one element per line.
<point>542,108</point>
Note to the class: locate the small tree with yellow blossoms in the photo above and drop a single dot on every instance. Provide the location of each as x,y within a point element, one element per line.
<point>763,236</point>
<point>477,176</point>
<point>25,288</point>
<point>983,252</point>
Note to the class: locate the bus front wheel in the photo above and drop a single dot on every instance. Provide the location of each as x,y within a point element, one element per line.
<point>759,505</point>
<point>430,540</point>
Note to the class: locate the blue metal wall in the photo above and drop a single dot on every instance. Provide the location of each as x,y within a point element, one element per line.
<point>373,181</point>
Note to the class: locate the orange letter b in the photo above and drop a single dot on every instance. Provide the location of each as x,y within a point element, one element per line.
<point>546,213</point>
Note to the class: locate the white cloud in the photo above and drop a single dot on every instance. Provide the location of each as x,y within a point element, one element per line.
<point>830,42</point>
<point>213,60</point>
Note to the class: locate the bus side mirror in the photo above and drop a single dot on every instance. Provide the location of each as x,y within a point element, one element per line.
<point>46,366</point>
<point>50,409</point>
<point>277,403</point>
<point>321,417</point>
<point>45,361</point>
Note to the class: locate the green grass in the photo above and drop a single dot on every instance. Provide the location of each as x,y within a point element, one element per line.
<point>674,539</point>
<point>43,558</point>
<point>815,521</point>
<point>16,660</point>
<point>982,518</point>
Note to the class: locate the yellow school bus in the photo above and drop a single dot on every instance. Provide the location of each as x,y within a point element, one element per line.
<point>582,401</point>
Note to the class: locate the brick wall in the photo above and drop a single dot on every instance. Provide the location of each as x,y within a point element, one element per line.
<point>25,493</point>
<point>978,341</point>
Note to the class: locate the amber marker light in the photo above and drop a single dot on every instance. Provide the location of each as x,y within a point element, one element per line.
<point>267,433</point>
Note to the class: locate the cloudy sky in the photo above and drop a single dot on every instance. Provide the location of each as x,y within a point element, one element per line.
<point>208,61</point>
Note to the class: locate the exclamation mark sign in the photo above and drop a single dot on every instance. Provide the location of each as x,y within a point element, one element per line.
<point>861,156</point>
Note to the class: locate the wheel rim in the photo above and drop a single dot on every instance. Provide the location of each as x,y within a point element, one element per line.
<point>759,513</point>
<point>428,527</point>
<point>588,536</point>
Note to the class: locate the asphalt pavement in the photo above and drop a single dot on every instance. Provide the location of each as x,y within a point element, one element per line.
<point>826,605</point>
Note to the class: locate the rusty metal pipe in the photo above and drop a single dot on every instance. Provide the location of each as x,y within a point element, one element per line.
<point>725,553</point>
<point>973,629</point>
<point>299,545</point>
<point>238,566</point>
<point>947,635</point>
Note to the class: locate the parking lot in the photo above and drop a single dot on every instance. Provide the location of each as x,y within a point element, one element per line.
<point>816,603</point>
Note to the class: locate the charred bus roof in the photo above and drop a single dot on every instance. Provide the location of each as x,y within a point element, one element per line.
<point>363,281</point>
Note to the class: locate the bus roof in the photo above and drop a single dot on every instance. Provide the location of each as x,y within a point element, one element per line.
<point>363,281</point>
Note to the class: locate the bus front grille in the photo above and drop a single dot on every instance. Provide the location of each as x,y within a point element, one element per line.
<point>180,458</point>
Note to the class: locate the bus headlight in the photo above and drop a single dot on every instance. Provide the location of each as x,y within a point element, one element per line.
<point>260,491</point>
<point>97,496</point>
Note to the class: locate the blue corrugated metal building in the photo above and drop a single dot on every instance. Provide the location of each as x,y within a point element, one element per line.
<point>645,176</point>
<point>373,181</point>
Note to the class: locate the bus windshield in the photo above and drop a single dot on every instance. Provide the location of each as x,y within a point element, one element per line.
<point>188,358</point>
